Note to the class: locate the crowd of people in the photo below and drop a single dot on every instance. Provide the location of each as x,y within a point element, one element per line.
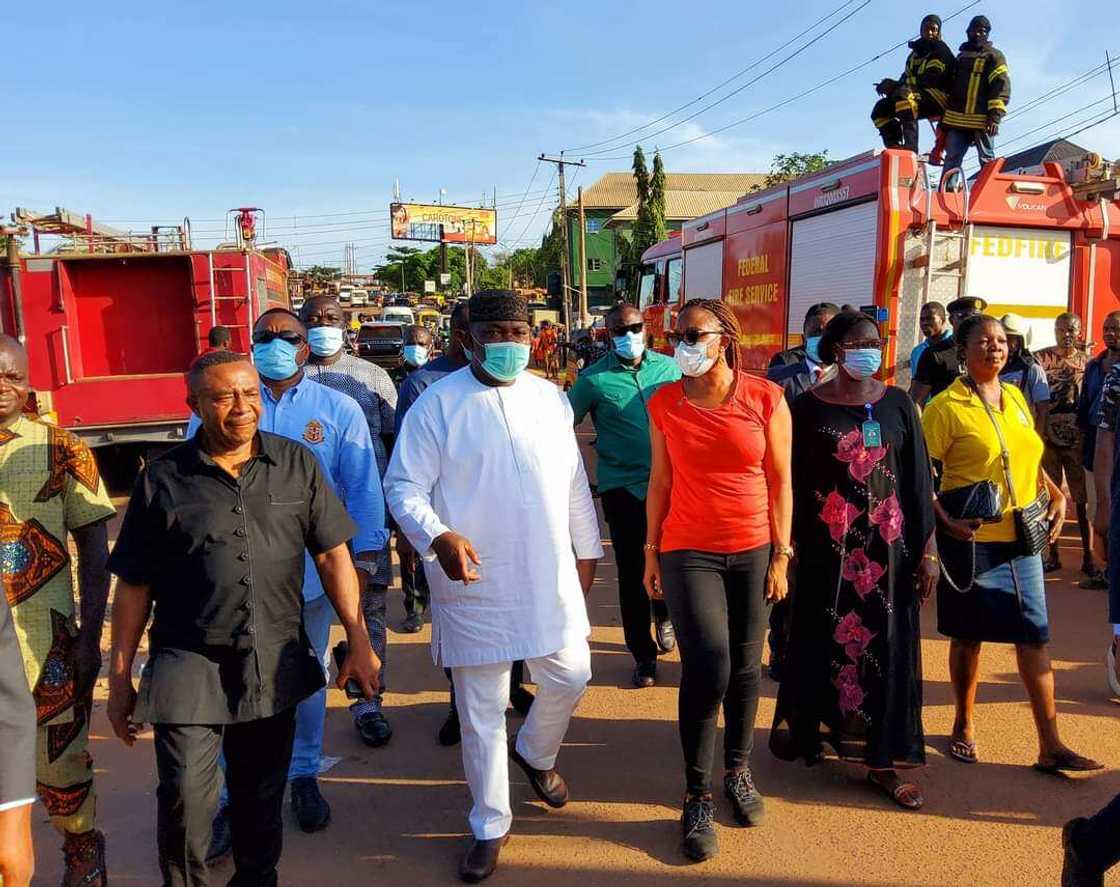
<point>819,505</point>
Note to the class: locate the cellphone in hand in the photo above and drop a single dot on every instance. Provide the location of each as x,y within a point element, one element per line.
<point>353,688</point>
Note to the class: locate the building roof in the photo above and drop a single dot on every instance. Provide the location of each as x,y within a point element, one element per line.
<point>1055,149</point>
<point>618,191</point>
<point>683,205</point>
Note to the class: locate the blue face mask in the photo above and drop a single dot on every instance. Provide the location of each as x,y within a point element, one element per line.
<point>862,363</point>
<point>811,345</point>
<point>325,340</point>
<point>415,355</point>
<point>504,361</point>
<point>629,345</point>
<point>276,359</point>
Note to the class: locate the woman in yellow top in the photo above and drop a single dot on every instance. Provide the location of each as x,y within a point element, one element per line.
<point>1002,599</point>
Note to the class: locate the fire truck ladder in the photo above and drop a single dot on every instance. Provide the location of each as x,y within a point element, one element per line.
<point>247,298</point>
<point>941,238</point>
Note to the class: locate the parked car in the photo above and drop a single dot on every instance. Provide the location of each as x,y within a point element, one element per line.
<point>382,343</point>
<point>359,298</point>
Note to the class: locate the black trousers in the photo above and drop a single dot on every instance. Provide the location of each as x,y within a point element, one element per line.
<point>626,518</point>
<point>257,756</point>
<point>414,584</point>
<point>719,610</point>
<point>1096,840</point>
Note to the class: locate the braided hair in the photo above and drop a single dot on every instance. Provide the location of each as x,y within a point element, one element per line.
<point>728,322</point>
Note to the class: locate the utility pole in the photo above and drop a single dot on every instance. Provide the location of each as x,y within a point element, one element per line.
<point>584,315</point>
<point>565,273</point>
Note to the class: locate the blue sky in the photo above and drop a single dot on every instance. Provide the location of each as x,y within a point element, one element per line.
<point>312,110</point>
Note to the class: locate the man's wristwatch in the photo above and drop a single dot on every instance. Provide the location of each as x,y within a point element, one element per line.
<point>779,550</point>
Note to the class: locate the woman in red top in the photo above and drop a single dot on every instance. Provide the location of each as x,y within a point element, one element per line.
<point>717,548</point>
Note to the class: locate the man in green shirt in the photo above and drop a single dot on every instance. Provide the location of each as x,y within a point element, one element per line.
<point>615,390</point>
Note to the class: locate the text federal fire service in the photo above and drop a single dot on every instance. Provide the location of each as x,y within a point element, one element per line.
<point>873,232</point>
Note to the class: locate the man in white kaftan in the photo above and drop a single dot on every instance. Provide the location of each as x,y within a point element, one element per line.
<point>487,477</point>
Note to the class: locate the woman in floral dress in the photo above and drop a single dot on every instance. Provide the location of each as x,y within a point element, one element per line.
<point>866,561</point>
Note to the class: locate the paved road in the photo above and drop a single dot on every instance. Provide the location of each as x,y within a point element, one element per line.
<point>399,812</point>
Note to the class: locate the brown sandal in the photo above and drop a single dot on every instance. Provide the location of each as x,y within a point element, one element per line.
<point>964,750</point>
<point>907,795</point>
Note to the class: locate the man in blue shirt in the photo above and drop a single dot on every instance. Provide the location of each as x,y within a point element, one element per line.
<point>332,426</point>
<point>615,390</point>
<point>934,324</point>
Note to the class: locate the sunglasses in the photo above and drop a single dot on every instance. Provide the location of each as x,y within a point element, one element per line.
<point>263,337</point>
<point>864,343</point>
<point>630,328</point>
<point>690,336</point>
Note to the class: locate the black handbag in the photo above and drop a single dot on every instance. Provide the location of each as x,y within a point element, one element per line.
<point>980,501</point>
<point>1032,527</point>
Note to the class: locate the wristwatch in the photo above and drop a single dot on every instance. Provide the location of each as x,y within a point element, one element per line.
<point>778,550</point>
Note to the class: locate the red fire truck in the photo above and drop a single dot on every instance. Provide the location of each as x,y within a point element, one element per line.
<point>876,233</point>
<point>112,320</point>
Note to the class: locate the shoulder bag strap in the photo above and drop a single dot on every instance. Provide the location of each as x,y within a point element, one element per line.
<point>1004,456</point>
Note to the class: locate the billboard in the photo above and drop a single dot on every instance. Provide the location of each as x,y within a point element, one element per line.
<point>459,224</point>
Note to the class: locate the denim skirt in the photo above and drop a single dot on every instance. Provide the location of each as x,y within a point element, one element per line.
<point>1007,601</point>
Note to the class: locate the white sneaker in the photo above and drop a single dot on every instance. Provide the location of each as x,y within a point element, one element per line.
<point>1113,681</point>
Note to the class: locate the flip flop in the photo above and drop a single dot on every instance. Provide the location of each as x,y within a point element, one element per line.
<point>1070,762</point>
<point>907,795</point>
<point>964,750</point>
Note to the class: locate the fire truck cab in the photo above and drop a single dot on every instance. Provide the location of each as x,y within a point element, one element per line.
<point>877,233</point>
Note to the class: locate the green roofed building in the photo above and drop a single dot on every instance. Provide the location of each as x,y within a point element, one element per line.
<point>611,206</point>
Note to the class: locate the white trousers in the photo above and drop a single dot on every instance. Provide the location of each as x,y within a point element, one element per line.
<point>481,696</point>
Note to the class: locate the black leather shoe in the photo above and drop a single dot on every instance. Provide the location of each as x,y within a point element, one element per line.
<point>521,700</point>
<point>746,802</point>
<point>645,675</point>
<point>698,831</point>
<point>413,623</point>
<point>548,784</point>
<point>221,837</point>
<point>449,733</point>
<point>481,859</point>
<point>1074,872</point>
<point>666,637</point>
<point>310,807</point>
<point>374,729</point>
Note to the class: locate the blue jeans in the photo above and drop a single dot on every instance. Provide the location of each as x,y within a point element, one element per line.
<point>318,614</point>
<point>958,141</point>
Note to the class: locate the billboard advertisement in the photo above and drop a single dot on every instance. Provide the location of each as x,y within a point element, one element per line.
<point>458,224</point>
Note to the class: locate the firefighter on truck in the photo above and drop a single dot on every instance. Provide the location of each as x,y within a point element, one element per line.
<point>921,93</point>
<point>978,100</point>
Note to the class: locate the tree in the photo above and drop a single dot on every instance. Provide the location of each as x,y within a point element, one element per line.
<point>787,167</point>
<point>321,275</point>
<point>657,200</point>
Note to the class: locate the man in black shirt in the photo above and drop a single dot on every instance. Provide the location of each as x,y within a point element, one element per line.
<point>939,365</point>
<point>214,537</point>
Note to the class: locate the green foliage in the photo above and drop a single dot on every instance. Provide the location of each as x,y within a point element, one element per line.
<point>657,200</point>
<point>787,167</point>
<point>320,275</point>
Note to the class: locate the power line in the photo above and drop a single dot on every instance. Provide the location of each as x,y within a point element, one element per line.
<point>536,212</point>
<point>754,116</point>
<point>532,179</point>
<point>714,89</point>
<point>750,82</point>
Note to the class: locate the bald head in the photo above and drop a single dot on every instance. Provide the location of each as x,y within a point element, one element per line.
<point>15,387</point>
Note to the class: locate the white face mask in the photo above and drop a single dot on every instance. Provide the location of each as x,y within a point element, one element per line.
<point>693,360</point>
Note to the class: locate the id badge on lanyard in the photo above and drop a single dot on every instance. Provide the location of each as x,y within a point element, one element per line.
<point>872,431</point>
